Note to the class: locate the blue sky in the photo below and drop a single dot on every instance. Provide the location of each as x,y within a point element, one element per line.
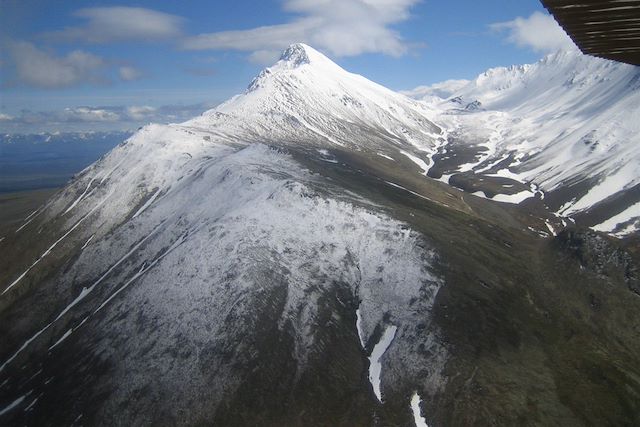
<point>71,65</point>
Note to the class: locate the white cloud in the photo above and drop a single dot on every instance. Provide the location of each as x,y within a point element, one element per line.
<point>539,32</point>
<point>71,119</point>
<point>88,114</point>
<point>87,118</point>
<point>37,67</point>
<point>120,23</point>
<point>140,112</point>
<point>128,73</point>
<point>341,27</point>
<point>443,89</point>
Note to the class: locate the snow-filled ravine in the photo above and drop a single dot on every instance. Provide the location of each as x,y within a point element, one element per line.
<point>566,120</point>
<point>415,409</point>
<point>375,366</point>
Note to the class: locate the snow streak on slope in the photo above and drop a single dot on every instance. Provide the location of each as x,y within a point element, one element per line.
<point>415,408</point>
<point>629,219</point>
<point>375,367</point>
<point>567,121</point>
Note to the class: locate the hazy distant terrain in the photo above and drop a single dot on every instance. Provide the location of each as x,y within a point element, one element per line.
<point>49,160</point>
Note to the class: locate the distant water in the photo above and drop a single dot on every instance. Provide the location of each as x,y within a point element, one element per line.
<point>30,162</point>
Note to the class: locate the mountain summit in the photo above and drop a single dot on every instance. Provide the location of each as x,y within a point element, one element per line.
<point>307,99</point>
<point>298,256</point>
<point>299,53</point>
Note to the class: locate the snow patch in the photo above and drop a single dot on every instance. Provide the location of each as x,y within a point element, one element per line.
<point>75,202</point>
<point>88,241</point>
<point>418,161</point>
<point>147,204</point>
<point>550,228</point>
<point>629,214</point>
<point>13,404</point>
<point>418,419</point>
<point>507,198</point>
<point>385,156</point>
<point>62,338</point>
<point>375,366</point>
<point>359,328</point>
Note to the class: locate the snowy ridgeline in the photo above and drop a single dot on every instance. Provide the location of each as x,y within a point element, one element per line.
<point>566,119</point>
<point>201,230</point>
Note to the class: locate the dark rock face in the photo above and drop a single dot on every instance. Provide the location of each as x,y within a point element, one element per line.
<point>601,255</point>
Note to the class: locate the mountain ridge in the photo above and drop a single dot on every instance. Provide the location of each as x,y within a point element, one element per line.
<point>566,121</point>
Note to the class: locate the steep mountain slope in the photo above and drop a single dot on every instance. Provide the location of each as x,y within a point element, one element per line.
<point>244,264</point>
<point>283,260</point>
<point>569,124</point>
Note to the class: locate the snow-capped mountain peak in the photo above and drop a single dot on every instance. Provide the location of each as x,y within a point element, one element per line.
<point>298,60</point>
<point>299,53</point>
<point>296,54</point>
<point>307,98</point>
